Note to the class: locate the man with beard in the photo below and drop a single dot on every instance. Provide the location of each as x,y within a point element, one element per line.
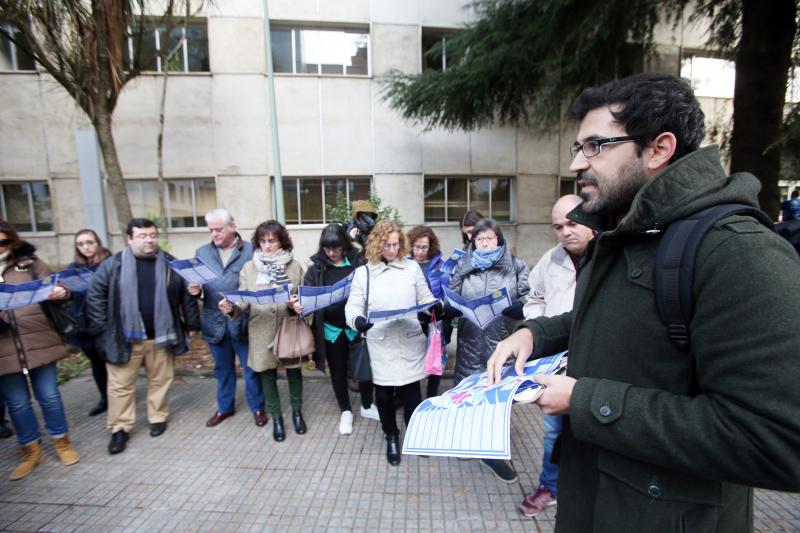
<point>143,315</point>
<point>657,437</point>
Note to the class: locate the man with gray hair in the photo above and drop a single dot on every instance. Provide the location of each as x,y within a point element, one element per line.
<point>226,254</point>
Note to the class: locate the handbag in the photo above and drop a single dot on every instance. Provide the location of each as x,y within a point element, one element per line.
<point>59,316</point>
<point>294,342</point>
<point>433,354</point>
<point>358,360</point>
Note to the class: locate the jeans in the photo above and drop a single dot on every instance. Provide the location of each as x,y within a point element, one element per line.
<point>549,475</point>
<point>14,388</point>
<point>224,353</point>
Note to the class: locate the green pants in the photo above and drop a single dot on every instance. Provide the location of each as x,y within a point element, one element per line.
<point>269,381</point>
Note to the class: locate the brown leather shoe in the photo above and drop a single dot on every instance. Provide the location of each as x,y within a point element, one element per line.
<point>218,417</point>
<point>260,417</point>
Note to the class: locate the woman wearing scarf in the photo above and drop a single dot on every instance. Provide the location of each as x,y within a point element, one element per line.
<point>272,265</point>
<point>89,253</point>
<point>488,266</point>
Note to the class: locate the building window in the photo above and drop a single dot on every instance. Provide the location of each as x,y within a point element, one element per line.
<point>440,59</point>
<point>567,185</point>
<point>310,200</point>
<point>447,198</point>
<point>192,48</point>
<point>320,51</point>
<point>709,76</point>
<point>27,205</point>
<point>12,57</point>
<point>186,201</point>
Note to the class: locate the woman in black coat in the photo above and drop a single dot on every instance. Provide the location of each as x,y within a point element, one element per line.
<point>335,260</point>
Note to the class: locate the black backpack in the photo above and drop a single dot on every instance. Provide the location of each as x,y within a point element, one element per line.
<point>674,267</point>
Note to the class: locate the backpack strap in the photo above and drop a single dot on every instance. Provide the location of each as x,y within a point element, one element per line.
<point>675,260</point>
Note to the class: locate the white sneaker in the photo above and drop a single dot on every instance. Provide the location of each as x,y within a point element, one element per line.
<point>346,423</point>
<point>372,413</point>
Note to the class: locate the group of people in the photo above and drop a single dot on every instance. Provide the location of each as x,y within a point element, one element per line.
<point>641,433</point>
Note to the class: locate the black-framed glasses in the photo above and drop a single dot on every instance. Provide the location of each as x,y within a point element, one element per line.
<point>593,147</point>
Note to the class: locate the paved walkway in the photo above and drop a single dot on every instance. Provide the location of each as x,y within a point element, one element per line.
<point>234,477</point>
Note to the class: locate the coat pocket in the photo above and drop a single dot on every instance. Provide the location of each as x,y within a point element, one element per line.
<point>637,496</point>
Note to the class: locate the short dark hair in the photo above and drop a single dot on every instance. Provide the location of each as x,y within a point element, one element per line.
<point>470,218</point>
<point>418,232</point>
<point>488,224</point>
<point>139,223</point>
<point>275,228</point>
<point>334,236</point>
<point>647,105</point>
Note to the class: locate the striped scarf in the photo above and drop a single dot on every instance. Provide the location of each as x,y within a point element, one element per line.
<point>271,268</point>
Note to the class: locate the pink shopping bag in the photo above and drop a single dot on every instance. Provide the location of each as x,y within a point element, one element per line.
<point>433,355</point>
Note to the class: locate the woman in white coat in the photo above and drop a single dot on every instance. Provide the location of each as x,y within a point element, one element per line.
<point>396,347</point>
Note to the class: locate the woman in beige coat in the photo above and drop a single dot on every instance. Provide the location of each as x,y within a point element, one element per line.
<point>396,347</point>
<point>29,349</point>
<point>272,265</point>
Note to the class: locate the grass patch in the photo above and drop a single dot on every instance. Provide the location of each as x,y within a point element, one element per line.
<point>72,366</point>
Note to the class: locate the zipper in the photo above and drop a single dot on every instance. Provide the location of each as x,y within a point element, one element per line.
<point>23,363</point>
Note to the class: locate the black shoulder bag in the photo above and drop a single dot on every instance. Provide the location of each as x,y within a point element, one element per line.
<point>359,361</point>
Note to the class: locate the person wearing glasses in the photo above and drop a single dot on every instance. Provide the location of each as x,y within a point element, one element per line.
<point>29,349</point>
<point>89,253</point>
<point>396,347</point>
<point>143,315</point>
<point>488,266</point>
<point>661,436</point>
<point>273,265</point>
<point>426,252</point>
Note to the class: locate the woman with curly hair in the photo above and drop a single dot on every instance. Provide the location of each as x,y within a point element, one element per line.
<point>396,347</point>
<point>272,265</point>
<point>89,253</point>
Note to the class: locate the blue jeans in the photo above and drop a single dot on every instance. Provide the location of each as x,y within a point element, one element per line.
<point>14,388</point>
<point>225,371</point>
<point>549,475</point>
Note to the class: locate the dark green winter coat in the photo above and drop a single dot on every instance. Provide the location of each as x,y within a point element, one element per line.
<point>660,439</point>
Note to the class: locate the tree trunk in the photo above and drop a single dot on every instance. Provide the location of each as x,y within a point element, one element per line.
<point>116,183</point>
<point>762,64</point>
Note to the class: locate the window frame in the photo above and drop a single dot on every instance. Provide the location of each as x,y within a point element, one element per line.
<point>442,36</point>
<point>31,209</point>
<point>154,32</point>
<point>168,202</point>
<point>512,193</point>
<point>322,180</point>
<point>13,51</point>
<point>292,28</point>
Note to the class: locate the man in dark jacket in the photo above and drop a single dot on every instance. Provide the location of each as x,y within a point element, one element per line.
<point>659,438</point>
<point>142,313</point>
<point>226,254</point>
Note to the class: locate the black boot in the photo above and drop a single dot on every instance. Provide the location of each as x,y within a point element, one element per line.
<point>101,407</point>
<point>278,433</point>
<point>299,423</point>
<point>393,449</point>
<point>5,431</point>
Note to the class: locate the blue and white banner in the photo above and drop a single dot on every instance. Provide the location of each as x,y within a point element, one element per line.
<point>480,311</point>
<point>474,419</point>
<point>277,295</point>
<point>194,270</point>
<point>32,292</point>
<point>76,279</point>
<point>374,317</point>
<point>449,266</point>
<point>316,298</point>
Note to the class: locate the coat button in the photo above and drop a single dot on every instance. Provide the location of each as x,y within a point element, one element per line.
<point>636,273</point>
<point>605,410</point>
<point>654,490</point>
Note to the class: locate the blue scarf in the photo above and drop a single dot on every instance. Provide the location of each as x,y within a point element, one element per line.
<point>484,259</point>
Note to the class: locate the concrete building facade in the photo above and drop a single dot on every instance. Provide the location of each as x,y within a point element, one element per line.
<point>336,131</point>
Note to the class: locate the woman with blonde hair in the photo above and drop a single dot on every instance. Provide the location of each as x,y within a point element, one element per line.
<point>396,347</point>
<point>89,253</point>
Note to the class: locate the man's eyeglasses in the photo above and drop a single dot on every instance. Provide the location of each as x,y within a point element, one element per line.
<point>593,147</point>
<point>143,236</point>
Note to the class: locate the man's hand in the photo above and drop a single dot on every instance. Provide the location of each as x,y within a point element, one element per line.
<point>519,345</point>
<point>195,289</point>
<point>556,395</point>
<point>58,293</point>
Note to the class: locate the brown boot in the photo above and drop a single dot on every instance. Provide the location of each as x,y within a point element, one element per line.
<point>32,456</point>
<point>65,451</point>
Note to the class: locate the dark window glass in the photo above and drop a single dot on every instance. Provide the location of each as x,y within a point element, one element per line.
<point>430,59</point>
<point>281,41</point>
<point>17,210</point>
<point>457,203</point>
<point>290,206</point>
<point>42,208</point>
<point>479,194</point>
<point>179,198</point>
<point>205,197</point>
<point>501,199</point>
<point>434,200</point>
<point>311,201</point>
<point>197,47</point>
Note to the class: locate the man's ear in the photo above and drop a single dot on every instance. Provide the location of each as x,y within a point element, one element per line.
<point>661,149</point>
